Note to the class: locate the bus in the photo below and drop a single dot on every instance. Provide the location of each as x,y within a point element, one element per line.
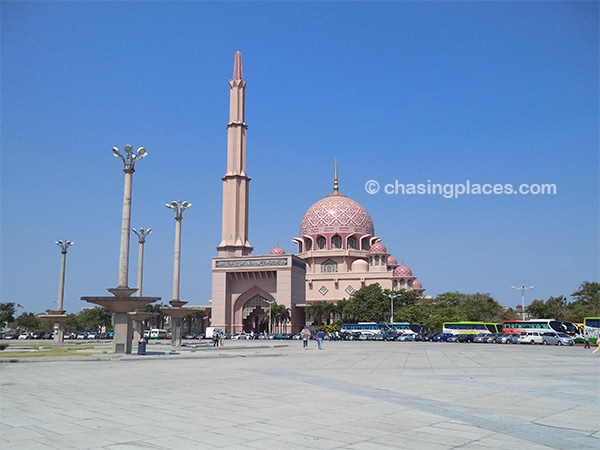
<point>591,326</point>
<point>156,333</point>
<point>471,327</point>
<point>365,327</point>
<point>518,326</point>
<point>406,328</point>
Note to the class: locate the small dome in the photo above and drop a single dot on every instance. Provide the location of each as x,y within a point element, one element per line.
<point>391,261</point>
<point>402,271</point>
<point>360,265</point>
<point>417,285</point>
<point>277,250</point>
<point>378,247</point>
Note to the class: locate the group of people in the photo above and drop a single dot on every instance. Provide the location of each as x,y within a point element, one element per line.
<point>217,338</point>
<point>305,335</point>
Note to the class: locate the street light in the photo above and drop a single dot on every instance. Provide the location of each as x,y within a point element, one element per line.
<point>522,288</point>
<point>270,302</point>
<point>178,207</point>
<point>392,297</point>
<point>141,234</point>
<point>129,160</point>
<point>64,245</point>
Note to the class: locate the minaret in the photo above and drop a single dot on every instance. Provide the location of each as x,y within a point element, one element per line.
<point>234,233</point>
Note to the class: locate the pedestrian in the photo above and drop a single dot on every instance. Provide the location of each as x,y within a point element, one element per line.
<point>320,339</point>
<point>215,338</point>
<point>305,335</point>
<point>597,342</point>
<point>586,338</point>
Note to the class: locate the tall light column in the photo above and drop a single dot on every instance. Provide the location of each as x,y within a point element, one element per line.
<point>392,297</point>
<point>141,234</point>
<point>522,288</point>
<point>178,207</point>
<point>270,325</point>
<point>64,245</point>
<point>129,160</point>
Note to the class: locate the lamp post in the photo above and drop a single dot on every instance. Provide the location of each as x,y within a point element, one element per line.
<point>270,302</point>
<point>64,245</point>
<point>522,288</point>
<point>178,207</point>
<point>392,297</point>
<point>129,160</point>
<point>141,234</point>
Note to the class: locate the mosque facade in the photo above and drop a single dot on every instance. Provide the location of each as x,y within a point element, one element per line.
<point>338,252</point>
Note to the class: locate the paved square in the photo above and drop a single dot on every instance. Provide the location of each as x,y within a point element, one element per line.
<point>350,395</point>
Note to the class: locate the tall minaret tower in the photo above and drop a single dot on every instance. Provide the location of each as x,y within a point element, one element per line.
<point>234,235</point>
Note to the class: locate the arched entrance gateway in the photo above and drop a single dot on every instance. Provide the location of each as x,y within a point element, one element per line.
<point>255,314</point>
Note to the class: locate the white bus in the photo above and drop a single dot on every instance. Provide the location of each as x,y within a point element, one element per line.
<point>406,327</point>
<point>156,333</point>
<point>365,327</point>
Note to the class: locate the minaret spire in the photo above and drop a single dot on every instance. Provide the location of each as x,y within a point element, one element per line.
<point>237,66</point>
<point>235,182</point>
<point>335,177</point>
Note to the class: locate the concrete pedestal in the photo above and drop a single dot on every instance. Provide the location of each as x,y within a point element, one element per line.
<point>177,312</point>
<point>121,306</point>
<point>57,318</point>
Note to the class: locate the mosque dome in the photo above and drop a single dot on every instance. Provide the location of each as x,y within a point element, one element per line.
<point>391,261</point>
<point>417,284</point>
<point>336,213</point>
<point>378,247</point>
<point>402,271</point>
<point>277,250</point>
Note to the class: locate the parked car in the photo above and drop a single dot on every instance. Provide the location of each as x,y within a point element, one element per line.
<point>531,337</point>
<point>554,338</point>
<point>24,336</point>
<point>11,336</point>
<point>81,335</point>
<point>38,335</point>
<point>93,336</point>
<point>239,336</point>
<point>441,337</point>
<point>405,338</point>
<point>509,338</point>
<point>465,338</point>
<point>481,337</point>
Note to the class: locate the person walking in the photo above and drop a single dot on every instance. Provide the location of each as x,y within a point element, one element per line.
<point>320,340</point>
<point>597,342</point>
<point>586,338</point>
<point>305,335</point>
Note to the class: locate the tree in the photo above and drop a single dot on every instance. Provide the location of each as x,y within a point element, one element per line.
<point>7,313</point>
<point>586,303</point>
<point>28,322</point>
<point>93,319</point>
<point>280,315</point>
<point>368,304</point>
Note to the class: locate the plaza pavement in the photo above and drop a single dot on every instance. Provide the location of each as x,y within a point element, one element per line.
<point>275,395</point>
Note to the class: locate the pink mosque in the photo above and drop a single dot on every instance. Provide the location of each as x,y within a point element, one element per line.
<point>338,252</point>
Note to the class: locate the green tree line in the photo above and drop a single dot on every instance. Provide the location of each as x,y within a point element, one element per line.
<point>374,304</point>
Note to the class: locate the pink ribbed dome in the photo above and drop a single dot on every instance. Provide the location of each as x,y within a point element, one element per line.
<point>336,213</point>
<point>402,271</point>
<point>277,251</point>
<point>391,261</point>
<point>417,284</point>
<point>378,247</point>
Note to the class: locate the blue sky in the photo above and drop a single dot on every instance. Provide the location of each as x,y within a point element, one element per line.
<point>413,92</point>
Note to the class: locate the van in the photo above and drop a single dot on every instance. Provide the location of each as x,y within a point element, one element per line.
<point>531,337</point>
<point>157,333</point>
